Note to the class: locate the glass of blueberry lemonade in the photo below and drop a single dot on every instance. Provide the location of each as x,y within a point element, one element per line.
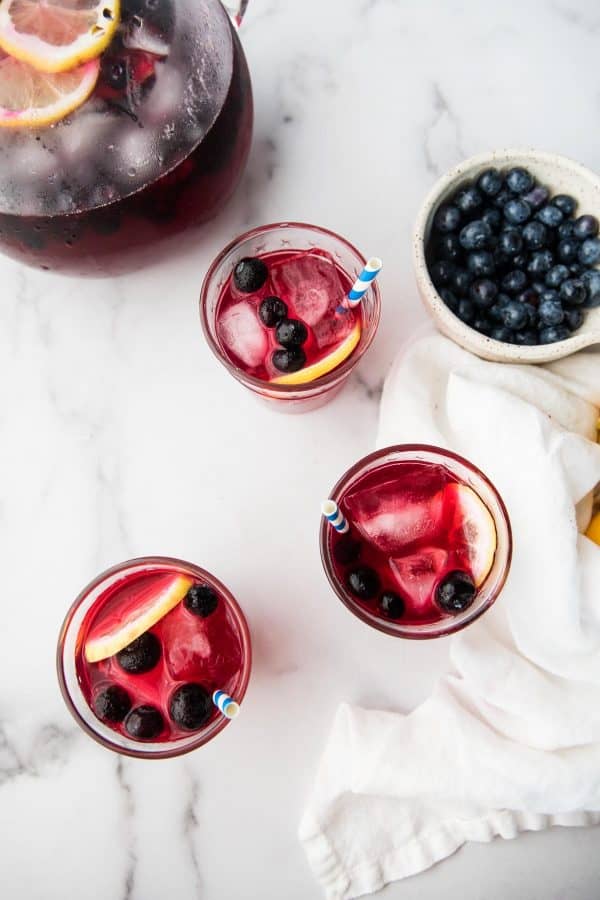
<point>417,541</point>
<point>154,657</point>
<point>274,312</point>
<point>123,123</point>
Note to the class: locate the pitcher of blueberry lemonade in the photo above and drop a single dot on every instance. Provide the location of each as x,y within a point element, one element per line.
<point>123,124</point>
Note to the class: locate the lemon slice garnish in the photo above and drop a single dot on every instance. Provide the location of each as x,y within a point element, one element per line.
<point>29,98</point>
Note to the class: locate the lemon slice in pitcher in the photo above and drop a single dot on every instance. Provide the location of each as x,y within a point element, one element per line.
<point>57,35</point>
<point>31,99</point>
<point>325,365</point>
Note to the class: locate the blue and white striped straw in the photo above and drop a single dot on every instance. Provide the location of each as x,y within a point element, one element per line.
<point>226,704</point>
<point>334,516</point>
<point>363,282</point>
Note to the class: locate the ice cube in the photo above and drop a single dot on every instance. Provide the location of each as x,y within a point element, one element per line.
<point>241,332</point>
<point>312,284</point>
<point>417,576</point>
<point>391,518</point>
<point>198,649</point>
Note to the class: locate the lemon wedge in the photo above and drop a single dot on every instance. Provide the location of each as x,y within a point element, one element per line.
<point>476,523</point>
<point>32,99</point>
<point>325,365</point>
<point>593,531</point>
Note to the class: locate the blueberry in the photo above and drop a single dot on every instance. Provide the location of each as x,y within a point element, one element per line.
<point>514,315</point>
<point>514,282</point>
<point>538,286</point>
<point>475,235</point>
<point>566,230</point>
<point>490,182</point>
<point>455,592</point>
<point>363,582</point>
<point>537,196</point>
<point>201,600</point>
<point>140,655</point>
<point>553,333</point>
<point>482,324</point>
<point>271,311</point>
<point>589,253</point>
<point>291,333</point>
<point>461,281</point>
<point>591,282</point>
<point>144,723</point>
<point>540,262</point>
<point>527,338</point>
<point>501,199</point>
<point>447,218</point>
<point>290,360</point>
<point>113,704</point>
<point>504,334</point>
<point>576,269</point>
<point>532,314</point>
<point>535,235</point>
<point>114,73</point>
<point>495,312</point>
<point>568,250</point>
<point>551,312</point>
<point>510,242</point>
<point>469,200</point>
<point>449,299</point>
<point>492,217</point>
<point>549,215</point>
<point>585,227</point>
<point>346,550</point>
<point>448,247</point>
<point>556,275</point>
<point>519,180</point>
<point>441,272</point>
<point>549,294</point>
<point>517,211</point>
<point>481,262</point>
<point>483,293</point>
<point>465,311</point>
<point>391,605</point>
<point>573,319</point>
<point>519,261</point>
<point>573,292</point>
<point>190,706</point>
<point>565,203</point>
<point>250,274</point>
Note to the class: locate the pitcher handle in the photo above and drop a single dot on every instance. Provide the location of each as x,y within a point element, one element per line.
<point>236,11</point>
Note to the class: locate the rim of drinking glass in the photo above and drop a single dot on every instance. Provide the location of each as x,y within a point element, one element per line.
<point>219,723</point>
<point>285,389</point>
<point>395,629</point>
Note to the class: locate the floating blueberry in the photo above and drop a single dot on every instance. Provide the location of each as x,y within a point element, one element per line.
<point>469,200</point>
<point>447,218</point>
<point>540,262</point>
<point>492,217</point>
<point>363,582</point>
<point>250,274</point>
<point>448,247</point>
<point>537,196</point>
<point>476,235</point>
<point>191,706</point>
<point>113,704</point>
<point>290,360</point>
<point>481,263</point>
<point>519,180</point>
<point>556,276</point>
<point>449,299</point>
<point>144,723</point>
<point>573,319</point>
<point>461,281</point>
<point>514,282</point>
<point>535,235</point>
<point>346,550</point>
<point>504,334</point>
<point>291,333</point>
<point>465,311</point>
<point>455,592</point>
<point>140,655</point>
<point>510,242</point>
<point>549,215</point>
<point>573,292</point>
<point>391,605</point>
<point>568,250</point>
<point>114,72</point>
<point>483,293</point>
<point>441,272</point>
<point>490,182</point>
<point>585,227</point>
<point>551,312</point>
<point>514,315</point>
<point>565,203</point>
<point>517,211</point>
<point>271,311</point>
<point>553,333</point>
<point>589,253</point>
<point>201,600</point>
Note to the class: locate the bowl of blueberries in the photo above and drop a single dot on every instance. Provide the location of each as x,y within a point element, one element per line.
<point>507,256</point>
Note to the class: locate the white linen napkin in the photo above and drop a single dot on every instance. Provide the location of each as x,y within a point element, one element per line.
<point>510,739</point>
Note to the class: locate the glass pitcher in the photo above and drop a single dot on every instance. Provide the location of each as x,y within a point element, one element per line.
<point>157,149</point>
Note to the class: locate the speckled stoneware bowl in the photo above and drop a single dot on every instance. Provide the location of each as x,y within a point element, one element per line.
<point>561,176</point>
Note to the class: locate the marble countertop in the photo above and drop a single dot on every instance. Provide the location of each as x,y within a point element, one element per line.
<point>120,435</point>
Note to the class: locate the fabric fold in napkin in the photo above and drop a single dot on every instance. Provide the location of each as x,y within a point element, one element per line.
<point>510,739</point>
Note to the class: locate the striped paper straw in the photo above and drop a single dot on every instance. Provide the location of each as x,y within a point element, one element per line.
<point>226,704</point>
<point>363,282</point>
<point>334,516</point>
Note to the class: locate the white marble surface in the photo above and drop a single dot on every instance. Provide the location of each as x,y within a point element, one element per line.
<point>120,435</point>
